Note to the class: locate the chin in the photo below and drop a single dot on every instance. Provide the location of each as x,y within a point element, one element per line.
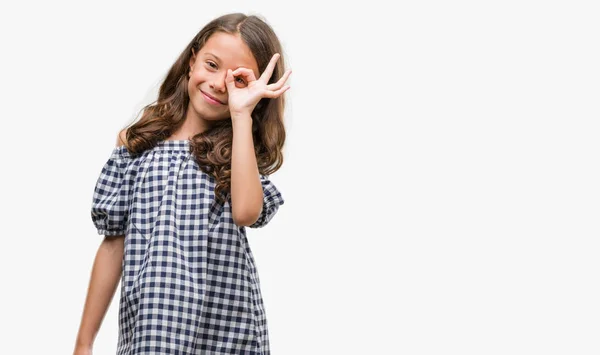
<point>208,115</point>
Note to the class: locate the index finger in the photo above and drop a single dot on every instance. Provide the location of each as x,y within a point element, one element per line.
<point>266,75</point>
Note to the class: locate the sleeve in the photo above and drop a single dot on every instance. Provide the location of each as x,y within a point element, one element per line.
<point>110,209</point>
<point>272,199</point>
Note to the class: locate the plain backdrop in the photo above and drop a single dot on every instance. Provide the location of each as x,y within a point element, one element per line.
<point>440,175</point>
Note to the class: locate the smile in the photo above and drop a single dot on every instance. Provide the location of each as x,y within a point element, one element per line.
<point>210,100</point>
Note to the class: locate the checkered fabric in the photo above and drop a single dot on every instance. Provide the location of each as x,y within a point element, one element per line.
<point>189,282</point>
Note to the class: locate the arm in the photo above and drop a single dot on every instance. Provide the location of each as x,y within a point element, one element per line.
<point>106,273</point>
<point>246,189</point>
<point>105,276</point>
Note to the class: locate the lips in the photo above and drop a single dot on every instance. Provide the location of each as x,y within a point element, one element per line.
<point>212,97</point>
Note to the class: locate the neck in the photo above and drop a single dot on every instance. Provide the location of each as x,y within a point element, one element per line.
<point>192,125</point>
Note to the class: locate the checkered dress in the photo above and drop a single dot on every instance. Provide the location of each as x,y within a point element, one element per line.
<point>189,282</point>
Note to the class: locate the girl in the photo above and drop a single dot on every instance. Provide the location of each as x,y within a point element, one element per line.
<point>175,196</point>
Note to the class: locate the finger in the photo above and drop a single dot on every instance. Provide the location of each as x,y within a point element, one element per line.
<point>266,75</point>
<point>276,93</point>
<point>229,78</point>
<point>282,80</point>
<point>248,74</point>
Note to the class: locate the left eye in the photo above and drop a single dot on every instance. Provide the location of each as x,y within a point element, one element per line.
<point>241,80</point>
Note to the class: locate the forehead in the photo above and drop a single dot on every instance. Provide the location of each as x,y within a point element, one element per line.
<point>230,51</point>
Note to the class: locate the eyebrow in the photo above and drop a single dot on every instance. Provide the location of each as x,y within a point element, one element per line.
<point>218,59</point>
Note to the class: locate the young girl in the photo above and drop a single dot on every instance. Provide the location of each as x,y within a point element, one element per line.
<point>175,196</point>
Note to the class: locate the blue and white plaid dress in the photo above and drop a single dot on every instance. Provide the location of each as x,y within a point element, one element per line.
<point>189,282</point>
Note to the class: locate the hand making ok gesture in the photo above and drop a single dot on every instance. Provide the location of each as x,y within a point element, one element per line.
<point>243,100</point>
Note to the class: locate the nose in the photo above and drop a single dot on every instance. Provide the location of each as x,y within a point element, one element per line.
<point>219,84</point>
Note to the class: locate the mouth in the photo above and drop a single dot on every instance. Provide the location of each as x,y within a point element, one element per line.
<point>211,99</point>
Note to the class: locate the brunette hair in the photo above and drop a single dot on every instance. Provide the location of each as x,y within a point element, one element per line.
<point>212,148</point>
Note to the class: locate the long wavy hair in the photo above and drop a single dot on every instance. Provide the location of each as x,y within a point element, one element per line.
<point>212,148</point>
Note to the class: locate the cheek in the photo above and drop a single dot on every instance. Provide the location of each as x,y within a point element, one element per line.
<point>194,83</point>
<point>191,88</point>
<point>194,78</point>
<point>199,75</point>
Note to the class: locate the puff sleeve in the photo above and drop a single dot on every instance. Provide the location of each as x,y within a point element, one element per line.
<point>110,205</point>
<point>272,199</point>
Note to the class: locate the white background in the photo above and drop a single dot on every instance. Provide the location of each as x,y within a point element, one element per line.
<point>440,176</point>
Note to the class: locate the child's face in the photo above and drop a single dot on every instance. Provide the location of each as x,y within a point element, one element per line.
<point>209,66</point>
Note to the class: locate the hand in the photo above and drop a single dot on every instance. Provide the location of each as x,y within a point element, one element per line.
<point>243,100</point>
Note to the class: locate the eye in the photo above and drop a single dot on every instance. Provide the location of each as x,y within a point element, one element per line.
<point>211,65</point>
<point>241,80</point>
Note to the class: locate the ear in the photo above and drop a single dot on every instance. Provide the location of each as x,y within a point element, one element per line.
<point>192,59</point>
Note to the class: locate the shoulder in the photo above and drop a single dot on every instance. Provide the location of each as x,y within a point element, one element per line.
<point>122,137</point>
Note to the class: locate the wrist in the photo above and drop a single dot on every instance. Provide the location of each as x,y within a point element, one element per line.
<point>244,115</point>
<point>241,120</point>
